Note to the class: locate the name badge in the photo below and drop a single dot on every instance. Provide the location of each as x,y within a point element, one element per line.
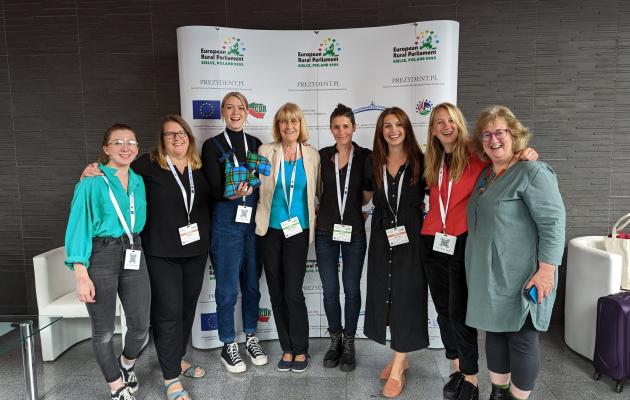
<point>291,227</point>
<point>444,243</point>
<point>132,259</point>
<point>189,234</point>
<point>342,233</point>
<point>243,214</point>
<point>397,236</point>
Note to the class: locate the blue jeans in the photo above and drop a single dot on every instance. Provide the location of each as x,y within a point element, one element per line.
<point>353,255</point>
<point>233,254</point>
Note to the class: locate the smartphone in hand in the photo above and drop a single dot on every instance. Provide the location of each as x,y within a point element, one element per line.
<point>532,293</point>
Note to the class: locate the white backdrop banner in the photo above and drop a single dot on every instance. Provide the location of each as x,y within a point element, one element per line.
<point>412,66</point>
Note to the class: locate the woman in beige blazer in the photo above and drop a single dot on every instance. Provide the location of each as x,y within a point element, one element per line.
<point>285,220</point>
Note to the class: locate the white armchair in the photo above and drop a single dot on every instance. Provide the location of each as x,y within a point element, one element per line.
<point>592,272</point>
<point>56,296</point>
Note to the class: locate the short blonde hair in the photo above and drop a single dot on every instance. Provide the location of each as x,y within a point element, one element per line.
<point>289,111</point>
<point>519,133</point>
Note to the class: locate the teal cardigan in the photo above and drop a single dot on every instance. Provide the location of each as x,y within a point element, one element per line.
<point>517,222</point>
<point>92,213</point>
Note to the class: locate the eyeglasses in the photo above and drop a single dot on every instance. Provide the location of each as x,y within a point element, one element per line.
<point>120,143</point>
<point>171,135</point>
<point>485,136</point>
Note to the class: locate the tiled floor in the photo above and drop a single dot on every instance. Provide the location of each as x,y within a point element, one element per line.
<point>75,375</point>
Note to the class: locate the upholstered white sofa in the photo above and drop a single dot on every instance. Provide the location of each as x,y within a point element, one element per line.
<point>592,272</point>
<point>56,296</point>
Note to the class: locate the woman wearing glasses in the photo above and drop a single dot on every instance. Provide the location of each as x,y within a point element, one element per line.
<point>516,223</point>
<point>451,171</point>
<point>105,252</point>
<point>233,245</point>
<point>175,241</point>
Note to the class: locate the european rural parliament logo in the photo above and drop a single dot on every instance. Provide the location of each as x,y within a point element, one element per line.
<point>425,48</point>
<point>257,110</point>
<point>206,109</point>
<point>231,53</point>
<point>326,55</point>
<point>424,107</point>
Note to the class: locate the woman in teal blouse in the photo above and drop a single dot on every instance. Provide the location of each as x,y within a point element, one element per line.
<point>104,250</point>
<point>516,222</point>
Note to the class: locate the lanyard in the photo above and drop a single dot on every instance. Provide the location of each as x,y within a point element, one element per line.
<point>400,185</point>
<point>443,209</point>
<point>181,186</point>
<point>289,200</point>
<point>132,211</point>
<point>342,203</point>
<point>227,139</point>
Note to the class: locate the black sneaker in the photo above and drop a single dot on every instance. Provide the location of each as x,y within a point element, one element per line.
<point>300,366</point>
<point>255,352</point>
<point>348,361</point>
<point>123,394</point>
<point>128,376</point>
<point>468,392</point>
<point>231,358</point>
<point>499,393</point>
<point>332,356</point>
<point>453,386</point>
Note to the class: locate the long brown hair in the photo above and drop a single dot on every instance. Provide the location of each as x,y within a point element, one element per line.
<point>410,145</point>
<point>435,150</point>
<point>104,158</point>
<point>159,153</point>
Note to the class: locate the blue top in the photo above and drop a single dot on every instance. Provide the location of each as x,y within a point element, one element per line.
<point>299,206</point>
<point>92,213</point>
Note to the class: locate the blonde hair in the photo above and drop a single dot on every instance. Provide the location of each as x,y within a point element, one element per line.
<point>519,133</point>
<point>240,96</point>
<point>435,150</point>
<point>159,153</point>
<point>289,111</point>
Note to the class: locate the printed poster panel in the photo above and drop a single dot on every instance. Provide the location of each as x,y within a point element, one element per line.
<point>412,66</point>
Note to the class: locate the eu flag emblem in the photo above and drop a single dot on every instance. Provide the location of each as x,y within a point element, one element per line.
<point>206,109</point>
<point>209,321</point>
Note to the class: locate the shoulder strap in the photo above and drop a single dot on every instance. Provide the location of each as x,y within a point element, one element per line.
<point>223,154</point>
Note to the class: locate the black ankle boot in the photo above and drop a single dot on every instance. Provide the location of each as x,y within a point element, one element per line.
<point>499,393</point>
<point>332,356</point>
<point>348,361</point>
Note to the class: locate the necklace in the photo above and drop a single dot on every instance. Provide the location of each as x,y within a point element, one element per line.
<point>496,176</point>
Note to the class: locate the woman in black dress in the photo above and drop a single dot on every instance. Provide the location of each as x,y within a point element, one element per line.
<point>396,284</point>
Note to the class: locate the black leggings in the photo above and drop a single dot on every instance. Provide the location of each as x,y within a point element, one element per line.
<point>517,353</point>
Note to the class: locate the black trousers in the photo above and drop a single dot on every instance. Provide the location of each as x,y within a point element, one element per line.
<point>285,266</point>
<point>175,287</point>
<point>515,353</point>
<point>447,281</point>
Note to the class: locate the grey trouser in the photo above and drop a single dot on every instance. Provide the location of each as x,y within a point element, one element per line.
<point>132,286</point>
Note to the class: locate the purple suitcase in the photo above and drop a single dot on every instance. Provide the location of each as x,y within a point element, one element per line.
<point>612,338</point>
